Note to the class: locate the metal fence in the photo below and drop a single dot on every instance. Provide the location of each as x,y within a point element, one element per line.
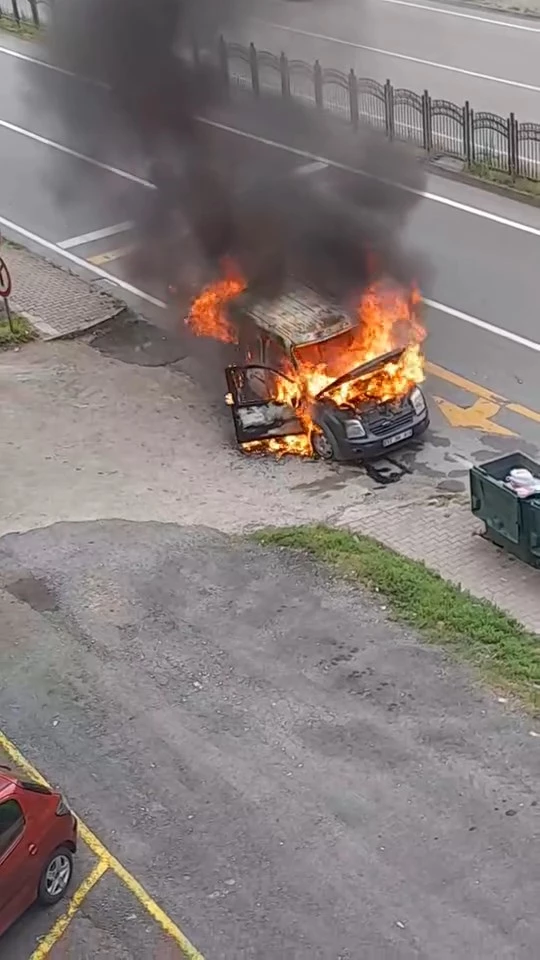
<point>25,12</point>
<point>439,127</point>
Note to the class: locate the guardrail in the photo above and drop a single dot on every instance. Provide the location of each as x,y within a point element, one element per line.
<point>24,12</point>
<point>438,127</point>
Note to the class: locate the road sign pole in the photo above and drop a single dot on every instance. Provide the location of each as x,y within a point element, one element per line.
<point>5,290</point>
<point>8,314</point>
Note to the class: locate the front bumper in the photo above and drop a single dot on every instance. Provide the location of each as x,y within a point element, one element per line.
<point>369,448</point>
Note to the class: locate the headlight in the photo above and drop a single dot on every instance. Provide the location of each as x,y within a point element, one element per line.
<point>418,401</point>
<point>354,429</point>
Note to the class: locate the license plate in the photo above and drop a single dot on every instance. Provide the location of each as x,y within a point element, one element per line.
<point>397,438</point>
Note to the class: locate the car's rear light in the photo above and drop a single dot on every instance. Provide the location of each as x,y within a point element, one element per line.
<point>62,809</point>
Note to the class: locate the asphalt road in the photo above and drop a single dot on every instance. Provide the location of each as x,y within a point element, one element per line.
<point>456,52</point>
<point>482,249</point>
<point>127,657</point>
<point>288,772</point>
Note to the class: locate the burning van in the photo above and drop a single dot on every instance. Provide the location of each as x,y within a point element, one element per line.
<point>313,378</point>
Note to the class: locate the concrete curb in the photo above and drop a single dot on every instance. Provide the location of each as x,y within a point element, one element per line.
<point>436,167</point>
<point>526,13</point>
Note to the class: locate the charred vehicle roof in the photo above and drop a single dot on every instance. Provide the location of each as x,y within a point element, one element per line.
<point>299,316</point>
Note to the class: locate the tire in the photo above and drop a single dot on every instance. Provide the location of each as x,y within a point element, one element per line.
<point>55,877</point>
<point>323,444</point>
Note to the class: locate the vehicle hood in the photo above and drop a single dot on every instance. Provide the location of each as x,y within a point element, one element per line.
<point>370,367</point>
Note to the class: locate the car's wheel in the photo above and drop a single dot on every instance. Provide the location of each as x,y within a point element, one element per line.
<point>323,445</point>
<point>56,876</point>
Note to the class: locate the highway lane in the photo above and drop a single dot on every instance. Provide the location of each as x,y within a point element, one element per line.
<point>484,358</point>
<point>469,253</point>
<point>469,273</point>
<point>435,229</point>
<point>489,59</point>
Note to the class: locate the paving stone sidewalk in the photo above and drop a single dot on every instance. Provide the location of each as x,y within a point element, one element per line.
<point>443,533</point>
<point>56,302</point>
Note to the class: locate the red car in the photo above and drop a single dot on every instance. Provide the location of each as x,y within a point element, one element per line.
<point>38,837</point>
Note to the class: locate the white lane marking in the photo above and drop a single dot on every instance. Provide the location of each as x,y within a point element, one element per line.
<point>308,168</point>
<point>136,291</point>
<point>50,66</point>
<point>74,153</point>
<point>41,63</point>
<point>96,235</point>
<point>79,262</point>
<point>507,24</point>
<point>426,195</point>
<point>437,198</point>
<point>403,56</point>
<point>483,325</point>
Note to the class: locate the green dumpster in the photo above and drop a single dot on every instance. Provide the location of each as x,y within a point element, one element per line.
<point>511,521</point>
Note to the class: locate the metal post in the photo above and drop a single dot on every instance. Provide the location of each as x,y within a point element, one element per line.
<point>16,12</point>
<point>285,76</point>
<point>8,314</point>
<point>389,109</point>
<point>353,99</point>
<point>223,54</point>
<point>318,83</point>
<point>426,118</point>
<point>467,151</point>
<point>35,12</point>
<point>513,151</point>
<point>254,64</point>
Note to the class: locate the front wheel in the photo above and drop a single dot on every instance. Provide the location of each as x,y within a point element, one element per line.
<point>55,877</point>
<point>323,445</point>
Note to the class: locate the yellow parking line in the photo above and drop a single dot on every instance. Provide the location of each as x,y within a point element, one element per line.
<point>51,939</point>
<point>457,381</point>
<point>484,392</point>
<point>104,856</point>
<point>100,258</point>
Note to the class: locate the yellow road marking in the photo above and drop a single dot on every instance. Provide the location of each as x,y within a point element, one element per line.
<point>104,856</point>
<point>485,394</point>
<point>51,939</point>
<point>457,381</point>
<point>100,258</point>
<point>477,416</point>
<point>523,411</point>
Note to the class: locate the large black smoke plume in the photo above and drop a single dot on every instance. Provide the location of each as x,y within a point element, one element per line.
<point>219,195</point>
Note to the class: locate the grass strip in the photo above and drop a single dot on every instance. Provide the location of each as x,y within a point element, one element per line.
<point>520,185</point>
<point>505,653</point>
<point>25,30</point>
<point>19,332</point>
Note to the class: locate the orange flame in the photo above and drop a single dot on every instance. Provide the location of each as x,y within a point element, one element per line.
<point>388,319</point>
<point>208,313</point>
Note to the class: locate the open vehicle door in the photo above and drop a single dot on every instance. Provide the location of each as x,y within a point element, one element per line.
<point>261,403</point>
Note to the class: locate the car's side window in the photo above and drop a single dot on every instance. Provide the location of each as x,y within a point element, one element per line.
<point>11,823</point>
<point>275,356</point>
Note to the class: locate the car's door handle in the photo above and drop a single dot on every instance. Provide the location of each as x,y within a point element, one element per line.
<point>32,849</point>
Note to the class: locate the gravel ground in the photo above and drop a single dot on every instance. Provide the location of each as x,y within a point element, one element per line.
<point>289,773</point>
<point>86,436</point>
